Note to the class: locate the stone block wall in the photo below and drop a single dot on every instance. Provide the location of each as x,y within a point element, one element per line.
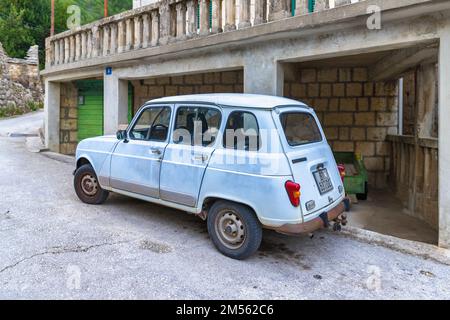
<point>68,119</point>
<point>357,114</point>
<point>214,82</point>
<point>20,82</point>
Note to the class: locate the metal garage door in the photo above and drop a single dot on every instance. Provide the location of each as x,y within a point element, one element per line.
<point>90,108</point>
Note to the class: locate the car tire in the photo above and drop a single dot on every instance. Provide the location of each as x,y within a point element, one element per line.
<point>363,196</point>
<point>234,229</point>
<point>87,187</point>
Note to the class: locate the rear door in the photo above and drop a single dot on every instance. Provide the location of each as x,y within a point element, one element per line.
<point>310,157</point>
<point>188,153</point>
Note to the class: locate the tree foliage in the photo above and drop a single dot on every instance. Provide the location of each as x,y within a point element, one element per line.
<point>24,23</point>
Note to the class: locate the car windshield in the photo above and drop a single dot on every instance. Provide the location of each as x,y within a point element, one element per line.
<point>300,128</point>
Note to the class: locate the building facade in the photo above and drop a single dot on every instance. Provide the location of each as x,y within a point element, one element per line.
<point>376,72</point>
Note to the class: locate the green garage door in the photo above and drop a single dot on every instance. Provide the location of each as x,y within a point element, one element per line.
<point>90,108</point>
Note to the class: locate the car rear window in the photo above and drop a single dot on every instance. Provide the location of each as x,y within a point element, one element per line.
<point>300,128</point>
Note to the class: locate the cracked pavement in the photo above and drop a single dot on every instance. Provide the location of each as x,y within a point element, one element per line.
<point>52,246</point>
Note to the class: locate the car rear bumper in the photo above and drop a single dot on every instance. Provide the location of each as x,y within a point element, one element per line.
<point>322,221</point>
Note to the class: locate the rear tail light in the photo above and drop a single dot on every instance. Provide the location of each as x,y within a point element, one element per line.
<point>293,191</point>
<point>341,169</point>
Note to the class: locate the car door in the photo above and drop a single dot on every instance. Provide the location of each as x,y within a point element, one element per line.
<point>188,153</point>
<point>136,161</point>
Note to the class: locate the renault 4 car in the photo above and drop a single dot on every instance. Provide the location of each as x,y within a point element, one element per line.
<point>241,162</point>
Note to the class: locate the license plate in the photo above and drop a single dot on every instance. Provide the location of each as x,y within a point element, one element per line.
<point>323,181</point>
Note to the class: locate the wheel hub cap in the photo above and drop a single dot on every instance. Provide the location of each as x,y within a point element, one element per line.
<point>231,230</point>
<point>89,185</point>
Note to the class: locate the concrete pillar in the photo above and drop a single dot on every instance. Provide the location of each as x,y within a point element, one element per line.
<point>137,33</point>
<point>145,30</point>
<point>121,36</point>
<point>278,10</point>
<point>105,50</point>
<point>52,114</point>
<point>426,99</point>
<point>66,50</point>
<point>230,15</point>
<point>263,75</point>
<point>181,20</point>
<point>192,19</point>
<point>128,35</point>
<point>165,22</point>
<point>216,16</point>
<point>56,52</point>
<point>113,44</point>
<point>95,42</point>
<point>301,7</point>
<point>244,14</point>
<point>48,52</point>
<point>89,45</point>
<point>204,17</point>
<point>115,104</point>
<point>444,132</point>
<point>77,47</point>
<point>83,45</point>
<point>72,48</point>
<point>320,5</point>
<point>155,28</point>
<point>61,51</point>
<point>260,11</point>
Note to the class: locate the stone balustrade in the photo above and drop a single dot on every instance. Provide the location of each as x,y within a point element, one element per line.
<point>168,21</point>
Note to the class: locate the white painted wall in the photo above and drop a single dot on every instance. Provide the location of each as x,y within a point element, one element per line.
<point>140,3</point>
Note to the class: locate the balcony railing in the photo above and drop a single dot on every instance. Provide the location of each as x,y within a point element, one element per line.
<point>169,21</point>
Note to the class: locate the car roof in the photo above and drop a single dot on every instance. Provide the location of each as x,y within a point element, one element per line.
<point>254,101</point>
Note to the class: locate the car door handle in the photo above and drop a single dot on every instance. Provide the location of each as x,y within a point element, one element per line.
<point>156,151</point>
<point>202,158</point>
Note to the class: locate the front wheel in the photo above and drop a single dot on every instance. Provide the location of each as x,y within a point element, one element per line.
<point>87,187</point>
<point>234,229</point>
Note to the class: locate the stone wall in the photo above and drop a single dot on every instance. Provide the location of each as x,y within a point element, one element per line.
<point>69,119</point>
<point>356,114</point>
<point>215,82</point>
<point>20,85</point>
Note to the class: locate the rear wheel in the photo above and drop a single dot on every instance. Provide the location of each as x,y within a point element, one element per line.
<point>234,229</point>
<point>87,187</point>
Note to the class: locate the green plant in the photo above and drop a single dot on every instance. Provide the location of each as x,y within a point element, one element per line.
<point>10,110</point>
<point>34,105</point>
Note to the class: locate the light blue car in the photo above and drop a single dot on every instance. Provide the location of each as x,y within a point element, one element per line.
<point>242,162</point>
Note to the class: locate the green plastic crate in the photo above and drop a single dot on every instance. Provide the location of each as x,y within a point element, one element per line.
<point>358,183</point>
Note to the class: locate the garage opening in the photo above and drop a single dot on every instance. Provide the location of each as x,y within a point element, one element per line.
<point>229,81</point>
<point>82,112</point>
<point>379,112</point>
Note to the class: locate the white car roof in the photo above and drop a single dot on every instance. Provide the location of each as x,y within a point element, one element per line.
<point>233,100</point>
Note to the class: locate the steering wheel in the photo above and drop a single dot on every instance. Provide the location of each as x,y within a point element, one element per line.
<point>162,126</point>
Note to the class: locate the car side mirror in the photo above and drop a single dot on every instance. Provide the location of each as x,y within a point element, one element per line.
<point>122,135</point>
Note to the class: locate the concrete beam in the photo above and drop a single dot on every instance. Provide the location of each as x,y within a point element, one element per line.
<point>52,115</point>
<point>263,75</point>
<point>444,132</point>
<point>115,107</point>
<point>328,21</point>
<point>394,65</point>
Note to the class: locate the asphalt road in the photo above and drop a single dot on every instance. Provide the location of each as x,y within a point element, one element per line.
<point>53,246</point>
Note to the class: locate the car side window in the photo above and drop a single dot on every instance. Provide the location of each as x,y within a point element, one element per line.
<point>242,132</point>
<point>152,125</point>
<point>197,126</point>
